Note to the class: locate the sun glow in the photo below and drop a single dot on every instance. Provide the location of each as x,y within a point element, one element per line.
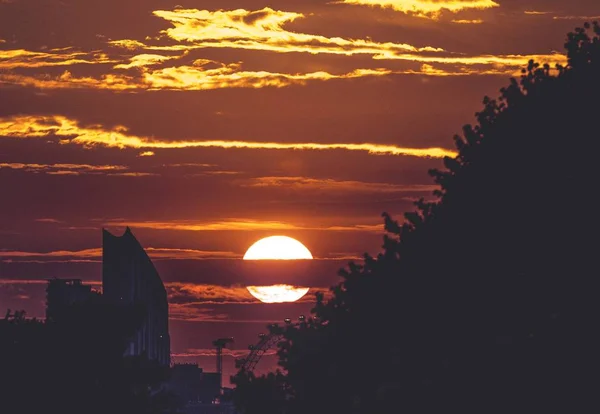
<point>277,248</point>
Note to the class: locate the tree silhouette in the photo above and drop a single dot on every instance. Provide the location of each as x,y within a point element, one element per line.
<point>484,300</point>
<point>75,364</point>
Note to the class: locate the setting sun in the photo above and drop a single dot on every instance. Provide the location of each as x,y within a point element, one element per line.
<point>277,248</point>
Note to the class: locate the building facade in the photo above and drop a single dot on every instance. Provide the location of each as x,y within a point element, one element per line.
<point>129,278</point>
<point>62,293</point>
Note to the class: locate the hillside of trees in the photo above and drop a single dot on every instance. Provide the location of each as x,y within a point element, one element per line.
<point>484,300</point>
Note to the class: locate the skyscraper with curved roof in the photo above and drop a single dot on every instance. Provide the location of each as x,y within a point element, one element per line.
<point>130,278</point>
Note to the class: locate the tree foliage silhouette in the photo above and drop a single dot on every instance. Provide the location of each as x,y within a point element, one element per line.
<point>485,299</point>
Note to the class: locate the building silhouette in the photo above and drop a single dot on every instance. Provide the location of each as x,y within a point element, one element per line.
<point>129,278</point>
<point>63,293</point>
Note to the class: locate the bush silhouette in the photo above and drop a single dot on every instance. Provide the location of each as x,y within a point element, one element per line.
<point>485,300</point>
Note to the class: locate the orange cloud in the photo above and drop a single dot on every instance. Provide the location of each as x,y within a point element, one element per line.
<point>69,132</point>
<point>154,253</point>
<point>329,185</point>
<point>21,58</point>
<point>183,78</point>
<point>259,30</point>
<point>582,18</point>
<point>476,21</point>
<point>67,81</point>
<point>536,13</point>
<point>144,60</point>
<point>264,30</point>
<point>239,225</point>
<point>64,169</point>
<point>49,220</point>
<point>426,8</point>
<point>228,76</point>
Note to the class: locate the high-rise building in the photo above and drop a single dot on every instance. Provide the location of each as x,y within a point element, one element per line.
<point>62,293</point>
<point>129,278</point>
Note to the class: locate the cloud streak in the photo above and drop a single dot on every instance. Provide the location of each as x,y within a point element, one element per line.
<point>68,131</point>
<point>21,58</point>
<point>65,169</point>
<point>260,30</point>
<point>155,253</point>
<point>331,185</point>
<point>426,8</point>
<point>239,225</point>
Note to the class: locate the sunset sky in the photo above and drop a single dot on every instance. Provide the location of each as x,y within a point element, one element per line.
<point>206,125</point>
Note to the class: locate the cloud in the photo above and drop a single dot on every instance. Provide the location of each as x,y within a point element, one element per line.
<point>21,58</point>
<point>228,76</point>
<point>67,81</point>
<point>49,220</point>
<point>70,132</point>
<point>238,225</point>
<point>475,21</point>
<point>259,30</point>
<point>582,18</point>
<point>264,30</point>
<point>155,253</point>
<point>66,169</point>
<point>329,185</point>
<point>536,13</point>
<point>426,8</point>
<point>183,78</point>
<point>144,60</point>
<point>146,154</point>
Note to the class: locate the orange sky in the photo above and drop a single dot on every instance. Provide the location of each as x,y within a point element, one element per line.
<point>207,125</point>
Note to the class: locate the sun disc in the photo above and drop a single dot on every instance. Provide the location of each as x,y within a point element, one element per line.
<point>277,248</point>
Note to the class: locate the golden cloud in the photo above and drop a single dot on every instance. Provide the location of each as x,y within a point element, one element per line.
<point>144,60</point>
<point>228,76</point>
<point>73,169</point>
<point>426,8</point>
<point>238,225</point>
<point>475,21</point>
<point>67,81</point>
<point>183,78</point>
<point>264,30</point>
<point>21,58</point>
<point>582,18</point>
<point>154,253</point>
<point>536,13</point>
<point>329,185</point>
<point>70,132</point>
<point>259,30</point>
